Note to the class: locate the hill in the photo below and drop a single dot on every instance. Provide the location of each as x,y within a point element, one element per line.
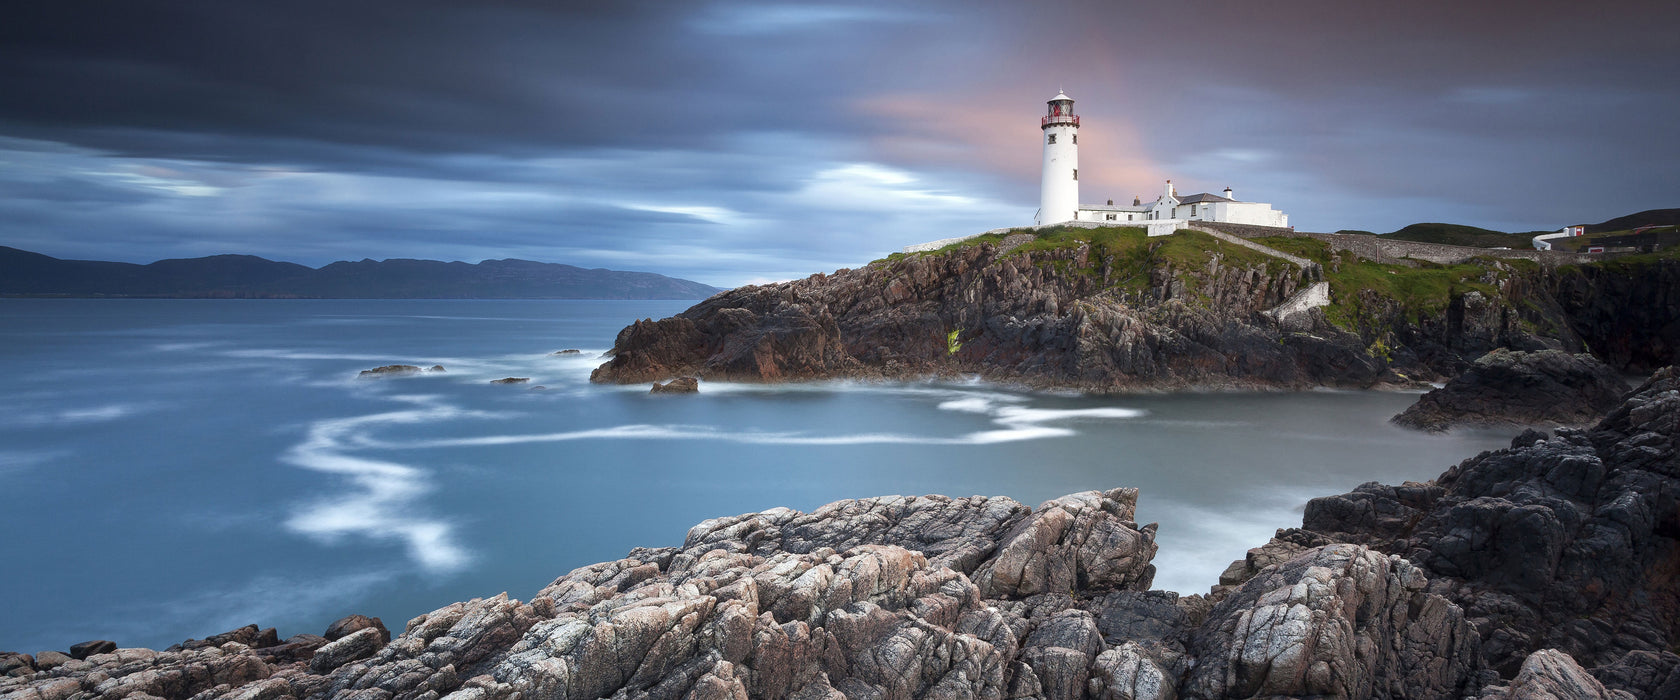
<point>1649,217</point>
<point>23,273</point>
<point>1456,234</point>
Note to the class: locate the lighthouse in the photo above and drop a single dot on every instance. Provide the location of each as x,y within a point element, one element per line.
<point>1058,198</point>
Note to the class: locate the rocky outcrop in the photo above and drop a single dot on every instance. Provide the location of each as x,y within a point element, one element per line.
<point>1550,674</point>
<point>1090,315</point>
<point>511,380</point>
<point>1504,388</point>
<point>1336,621</point>
<point>1565,542</point>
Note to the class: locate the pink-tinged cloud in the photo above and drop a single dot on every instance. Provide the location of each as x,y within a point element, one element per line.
<point>998,132</point>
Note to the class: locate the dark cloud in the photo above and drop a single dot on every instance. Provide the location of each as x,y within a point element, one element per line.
<point>733,141</point>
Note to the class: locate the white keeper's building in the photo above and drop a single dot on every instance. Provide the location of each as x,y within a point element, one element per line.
<point>1059,188</point>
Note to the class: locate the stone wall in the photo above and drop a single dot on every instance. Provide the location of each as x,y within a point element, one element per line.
<point>1246,230</point>
<point>1300,262</point>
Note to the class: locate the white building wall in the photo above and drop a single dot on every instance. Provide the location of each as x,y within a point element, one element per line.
<point>1058,199</point>
<point>1250,213</point>
<point>1101,216</point>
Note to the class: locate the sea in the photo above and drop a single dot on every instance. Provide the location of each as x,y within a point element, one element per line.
<point>173,469</point>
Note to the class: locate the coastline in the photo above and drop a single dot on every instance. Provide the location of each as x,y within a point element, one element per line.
<point>986,577</point>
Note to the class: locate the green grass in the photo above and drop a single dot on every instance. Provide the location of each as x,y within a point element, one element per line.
<point>993,238</point>
<point>1185,248</point>
<point>1420,291</point>
<point>1309,248</point>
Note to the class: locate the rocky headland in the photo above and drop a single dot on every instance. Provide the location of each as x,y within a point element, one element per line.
<point>1109,310</point>
<point>1550,388</point>
<point>1546,570</point>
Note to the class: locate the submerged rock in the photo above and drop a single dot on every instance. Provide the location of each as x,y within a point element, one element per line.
<point>390,371</point>
<point>398,371</point>
<point>1547,388</point>
<point>680,385</point>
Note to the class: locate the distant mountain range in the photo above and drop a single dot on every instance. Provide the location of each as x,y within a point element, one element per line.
<point>23,273</point>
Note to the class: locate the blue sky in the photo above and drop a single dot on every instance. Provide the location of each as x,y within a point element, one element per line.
<point>735,142</point>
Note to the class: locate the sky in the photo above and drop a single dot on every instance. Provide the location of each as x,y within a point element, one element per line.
<point>742,142</point>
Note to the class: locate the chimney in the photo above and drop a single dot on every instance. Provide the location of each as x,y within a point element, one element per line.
<point>1228,193</point>
<point>1137,201</point>
<point>1111,202</point>
<point>1169,189</point>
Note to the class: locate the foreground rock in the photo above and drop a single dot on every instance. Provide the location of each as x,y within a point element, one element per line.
<point>1567,542</point>
<point>888,597</point>
<point>1503,388</point>
<point>1544,570</point>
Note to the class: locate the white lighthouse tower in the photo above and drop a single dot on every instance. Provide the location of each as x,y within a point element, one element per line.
<point>1058,198</point>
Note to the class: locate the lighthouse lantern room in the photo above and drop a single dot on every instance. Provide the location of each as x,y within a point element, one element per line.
<point>1059,187</point>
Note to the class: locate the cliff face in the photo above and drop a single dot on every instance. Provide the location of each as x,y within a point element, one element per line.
<point>1627,311</point>
<point>1107,310</point>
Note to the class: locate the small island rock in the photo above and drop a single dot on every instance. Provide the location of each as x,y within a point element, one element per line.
<point>680,385</point>
<point>510,380</point>
<point>567,351</point>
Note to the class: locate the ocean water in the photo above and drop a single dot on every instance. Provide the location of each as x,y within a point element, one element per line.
<point>177,468</point>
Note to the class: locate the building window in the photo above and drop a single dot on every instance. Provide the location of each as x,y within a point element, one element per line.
<point>1052,139</point>
<point>1076,173</point>
<point>1192,210</point>
<point>1128,217</point>
<point>1111,217</point>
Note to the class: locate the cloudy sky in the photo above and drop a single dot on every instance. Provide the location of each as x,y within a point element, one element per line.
<point>732,142</point>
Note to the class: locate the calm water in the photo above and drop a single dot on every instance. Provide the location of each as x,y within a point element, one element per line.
<point>177,468</point>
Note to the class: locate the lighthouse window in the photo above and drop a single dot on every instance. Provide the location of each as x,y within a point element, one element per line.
<point>1052,138</point>
<point>1076,139</point>
<point>1076,173</point>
